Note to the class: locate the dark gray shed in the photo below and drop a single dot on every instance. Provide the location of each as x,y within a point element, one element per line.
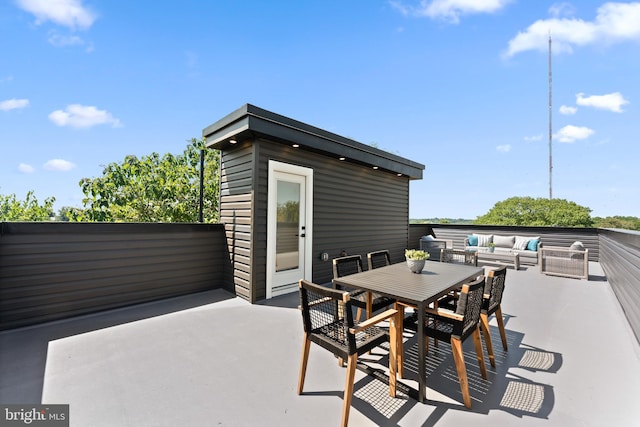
<point>293,196</point>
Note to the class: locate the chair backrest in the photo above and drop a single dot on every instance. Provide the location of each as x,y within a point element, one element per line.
<point>433,247</point>
<point>459,256</point>
<point>327,316</point>
<point>469,306</point>
<point>378,259</point>
<point>493,289</point>
<point>346,265</point>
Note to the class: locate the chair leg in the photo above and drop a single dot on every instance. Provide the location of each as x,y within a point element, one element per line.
<point>503,334</point>
<point>477,342</point>
<point>348,388</point>
<point>303,363</point>
<point>358,314</point>
<point>458,357</point>
<point>484,325</point>
<point>394,332</point>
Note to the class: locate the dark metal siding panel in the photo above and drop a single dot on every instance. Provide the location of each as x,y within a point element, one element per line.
<point>236,213</point>
<point>59,270</point>
<point>620,260</point>
<point>356,209</point>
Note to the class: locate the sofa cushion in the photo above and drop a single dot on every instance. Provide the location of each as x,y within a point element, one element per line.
<point>521,243</point>
<point>484,239</point>
<point>472,240</point>
<point>533,244</point>
<point>504,241</point>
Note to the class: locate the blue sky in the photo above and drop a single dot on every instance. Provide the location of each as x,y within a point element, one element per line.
<point>459,86</point>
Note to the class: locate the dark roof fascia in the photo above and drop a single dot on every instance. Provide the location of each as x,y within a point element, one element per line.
<point>250,121</point>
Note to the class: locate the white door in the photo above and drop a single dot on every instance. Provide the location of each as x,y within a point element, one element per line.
<point>289,227</point>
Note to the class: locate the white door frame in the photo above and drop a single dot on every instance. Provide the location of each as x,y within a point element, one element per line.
<point>306,174</point>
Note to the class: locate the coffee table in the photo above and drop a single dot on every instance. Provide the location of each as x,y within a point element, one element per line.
<point>500,258</point>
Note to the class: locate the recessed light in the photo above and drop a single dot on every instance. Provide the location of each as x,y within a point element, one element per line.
<point>232,141</point>
<point>375,167</point>
<point>342,158</point>
<point>295,145</point>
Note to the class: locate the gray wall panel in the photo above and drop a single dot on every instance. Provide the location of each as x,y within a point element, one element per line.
<point>620,260</point>
<point>52,271</point>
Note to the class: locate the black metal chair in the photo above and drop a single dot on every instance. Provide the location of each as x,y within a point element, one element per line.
<point>455,327</point>
<point>459,256</point>
<point>351,264</point>
<point>328,321</point>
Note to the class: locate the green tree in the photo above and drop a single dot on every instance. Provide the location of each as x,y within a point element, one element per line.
<point>12,209</point>
<point>153,188</point>
<point>527,211</point>
<point>623,222</point>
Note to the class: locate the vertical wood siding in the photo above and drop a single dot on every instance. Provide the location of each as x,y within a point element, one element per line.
<point>51,271</point>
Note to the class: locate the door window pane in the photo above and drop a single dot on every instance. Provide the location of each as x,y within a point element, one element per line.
<point>288,225</point>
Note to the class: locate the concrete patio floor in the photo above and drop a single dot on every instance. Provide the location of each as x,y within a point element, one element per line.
<point>212,359</point>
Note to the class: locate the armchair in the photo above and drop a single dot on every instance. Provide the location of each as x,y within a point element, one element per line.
<point>328,321</point>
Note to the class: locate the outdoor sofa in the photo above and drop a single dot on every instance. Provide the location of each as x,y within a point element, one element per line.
<point>526,246</point>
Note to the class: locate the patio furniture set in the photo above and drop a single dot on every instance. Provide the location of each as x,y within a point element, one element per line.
<point>449,301</point>
<point>514,251</point>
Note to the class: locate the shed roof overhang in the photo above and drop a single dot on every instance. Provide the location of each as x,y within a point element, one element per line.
<point>250,122</point>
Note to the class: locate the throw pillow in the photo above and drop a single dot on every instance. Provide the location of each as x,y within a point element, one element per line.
<point>578,246</point>
<point>521,243</point>
<point>533,244</point>
<point>504,241</point>
<point>484,239</point>
<point>473,240</point>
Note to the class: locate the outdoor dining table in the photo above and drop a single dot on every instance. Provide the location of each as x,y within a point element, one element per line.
<point>417,289</point>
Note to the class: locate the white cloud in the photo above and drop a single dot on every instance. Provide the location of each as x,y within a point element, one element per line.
<point>68,13</point>
<point>450,10</point>
<point>561,9</point>
<point>503,148</point>
<point>59,165</point>
<point>614,22</point>
<point>83,116</point>
<point>533,138</point>
<point>13,104</point>
<point>25,168</point>
<point>612,101</point>
<point>572,133</point>
<point>567,110</point>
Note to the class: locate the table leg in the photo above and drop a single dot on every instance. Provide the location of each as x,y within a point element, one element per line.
<point>369,304</point>
<point>422,354</point>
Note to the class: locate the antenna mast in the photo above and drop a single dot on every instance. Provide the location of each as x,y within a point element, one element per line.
<point>550,127</point>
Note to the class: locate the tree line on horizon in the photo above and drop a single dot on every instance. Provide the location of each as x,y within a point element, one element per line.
<point>166,188</point>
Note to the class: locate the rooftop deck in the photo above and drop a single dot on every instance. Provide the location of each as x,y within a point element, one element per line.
<point>214,359</point>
